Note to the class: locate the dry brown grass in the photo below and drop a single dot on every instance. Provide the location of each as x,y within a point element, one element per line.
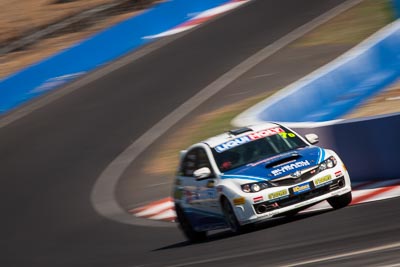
<point>352,25</point>
<point>12,62</point>
<point>384,103</point>
<point>20,16</point>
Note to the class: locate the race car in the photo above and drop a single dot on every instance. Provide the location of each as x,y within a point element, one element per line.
<point>252,174</point>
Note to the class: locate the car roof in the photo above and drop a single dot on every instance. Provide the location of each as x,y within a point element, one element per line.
<point>233,134</point>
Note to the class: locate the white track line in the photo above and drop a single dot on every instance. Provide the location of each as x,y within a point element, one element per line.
<point>220,9</point>
<point>253,253</point>
<point>345,255</point>
<point>199,19</point>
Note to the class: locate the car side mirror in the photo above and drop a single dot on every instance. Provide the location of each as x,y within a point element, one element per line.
<point>202,173</point>
<point>312,138</point>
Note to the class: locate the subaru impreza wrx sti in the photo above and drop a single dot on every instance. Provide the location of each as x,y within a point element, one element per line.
<point>251,174</point>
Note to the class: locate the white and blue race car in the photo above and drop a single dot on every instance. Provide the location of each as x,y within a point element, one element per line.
<point>251,174</point>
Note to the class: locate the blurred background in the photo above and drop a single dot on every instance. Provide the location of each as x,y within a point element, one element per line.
<point>51,159</point>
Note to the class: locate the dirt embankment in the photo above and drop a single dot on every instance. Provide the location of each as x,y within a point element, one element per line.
<point>21,21</point>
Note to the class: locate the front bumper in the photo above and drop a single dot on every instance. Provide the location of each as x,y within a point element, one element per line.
<point>255,212</point>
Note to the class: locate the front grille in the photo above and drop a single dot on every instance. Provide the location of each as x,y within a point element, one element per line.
<point>289,180</point>
<point>294,199</point>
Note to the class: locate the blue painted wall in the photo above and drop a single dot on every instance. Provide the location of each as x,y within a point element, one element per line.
<point>97,51</point>
<point>343,87</point>
<point>396,6</point>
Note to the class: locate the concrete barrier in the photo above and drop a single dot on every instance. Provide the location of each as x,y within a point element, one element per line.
<point>369,146</point>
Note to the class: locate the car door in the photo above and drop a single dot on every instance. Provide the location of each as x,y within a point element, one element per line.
<point>200,198</point>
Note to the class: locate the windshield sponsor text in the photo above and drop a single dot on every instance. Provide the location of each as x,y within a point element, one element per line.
<point>248,138</point>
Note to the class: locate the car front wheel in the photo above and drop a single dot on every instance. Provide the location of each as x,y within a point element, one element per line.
<point>340,201</point>
<point>230,217</point>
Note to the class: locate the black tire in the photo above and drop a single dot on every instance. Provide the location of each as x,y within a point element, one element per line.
<point>230,217</point>
<point>185,225</point>
<point>340,201</point>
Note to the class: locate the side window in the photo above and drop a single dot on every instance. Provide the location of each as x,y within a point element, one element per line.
<point>202,159</point>
<point>189,163</point>
<point>195,159</point>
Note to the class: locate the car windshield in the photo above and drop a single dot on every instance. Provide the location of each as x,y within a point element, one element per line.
<point>248,149</point>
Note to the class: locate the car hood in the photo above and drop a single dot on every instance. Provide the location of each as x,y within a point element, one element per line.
<point>278,166</point>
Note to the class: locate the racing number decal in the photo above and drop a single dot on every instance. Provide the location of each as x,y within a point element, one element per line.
<point>286,135</point>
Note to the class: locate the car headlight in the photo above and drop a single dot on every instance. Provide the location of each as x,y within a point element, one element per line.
<point>254,187</point>
<point>328,163</point>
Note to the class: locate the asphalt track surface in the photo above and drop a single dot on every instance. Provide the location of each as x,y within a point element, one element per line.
<point>51,158</point>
